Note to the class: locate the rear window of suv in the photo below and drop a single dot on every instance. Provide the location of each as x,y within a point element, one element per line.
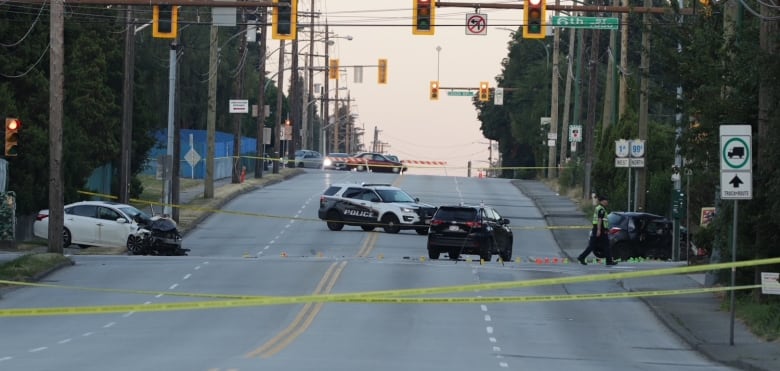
<point>456,213</point>
<point>331,190</point>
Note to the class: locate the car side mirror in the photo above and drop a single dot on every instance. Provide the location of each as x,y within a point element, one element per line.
<point>121,220</point>
<point>505,221</point>
<point>416,199</point>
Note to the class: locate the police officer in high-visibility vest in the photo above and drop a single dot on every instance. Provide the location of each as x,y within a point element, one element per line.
<point>599,236</point>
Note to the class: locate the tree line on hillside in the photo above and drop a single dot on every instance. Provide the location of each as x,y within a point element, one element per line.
<point>728,73</point>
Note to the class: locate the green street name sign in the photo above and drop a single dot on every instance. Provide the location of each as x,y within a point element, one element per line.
<point>601,23</point>
<point>460,93</point>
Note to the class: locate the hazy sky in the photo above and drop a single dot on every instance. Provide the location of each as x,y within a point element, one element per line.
<point>414,127</point>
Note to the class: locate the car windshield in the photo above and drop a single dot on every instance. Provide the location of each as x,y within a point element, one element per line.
<point>394,195</point>
<point>132,212</point>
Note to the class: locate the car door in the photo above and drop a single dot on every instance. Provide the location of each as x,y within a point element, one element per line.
<point>500,231</point>
<point>82,222</point>
<point>358,208</point>
<point>111,232</point>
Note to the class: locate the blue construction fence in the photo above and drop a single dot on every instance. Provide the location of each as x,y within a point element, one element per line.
<point>223,154</point>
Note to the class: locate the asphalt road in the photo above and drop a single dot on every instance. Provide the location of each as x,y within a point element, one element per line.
<point>269,242</point>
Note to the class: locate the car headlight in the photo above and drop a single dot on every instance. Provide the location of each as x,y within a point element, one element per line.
<point>327,162</point>
<point>407,210</point>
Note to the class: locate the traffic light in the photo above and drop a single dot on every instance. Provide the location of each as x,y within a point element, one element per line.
<point>333,69</point>
<point>382,72</point>
<point>534,26</point>
<point>165,21</point>
<point>285,20</point>
<point>484,91</point>
<point>434,91</point>
<point>12,127</point>
<point>423,17</point>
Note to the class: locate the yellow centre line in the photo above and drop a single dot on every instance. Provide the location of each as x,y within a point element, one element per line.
<point>304,317</point>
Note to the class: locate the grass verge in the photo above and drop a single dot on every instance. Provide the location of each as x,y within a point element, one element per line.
<point>763,319</point>
<point>30,267</point>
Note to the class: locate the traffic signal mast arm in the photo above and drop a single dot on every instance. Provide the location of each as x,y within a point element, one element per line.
<point>573,8</point>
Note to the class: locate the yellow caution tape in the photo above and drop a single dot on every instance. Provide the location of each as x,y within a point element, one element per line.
<point>388,296</point>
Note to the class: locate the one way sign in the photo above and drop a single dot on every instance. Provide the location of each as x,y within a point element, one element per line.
<point>736,185</point>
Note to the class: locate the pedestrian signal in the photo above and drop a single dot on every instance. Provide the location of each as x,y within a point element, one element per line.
<point>12,127</point>
<point>333,69</point>
<point>165,21</point>
<point>484,91</point>
<point>534,24</point>
<point>285,20</point>
<point>434,91</point>
<point>382,72</point>
<point>423,17</point>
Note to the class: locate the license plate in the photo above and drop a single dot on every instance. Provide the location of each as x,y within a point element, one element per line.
<point>454,228</point>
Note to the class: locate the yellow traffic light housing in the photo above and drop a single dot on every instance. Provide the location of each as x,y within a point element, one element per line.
<point>165,21</point>
<point>484,91</point>
<point>534,25</point>
<point>285,20</point>
<point>12,127</point>
<point>423,17</point>
<point>382,72</point>
<point>434,91</point>
<point>333,69</point>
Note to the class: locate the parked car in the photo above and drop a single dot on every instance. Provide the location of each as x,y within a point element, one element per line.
<point>336,161</point>
<point>93,223</point>
<point>308,159</point>
<point>376,162</point>
<point>642,235</point>
<point>468,229</point>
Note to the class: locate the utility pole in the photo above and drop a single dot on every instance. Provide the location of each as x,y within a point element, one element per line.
<point>56,92</point>
<point>238,92</point>
<point>326,95</point>
<point>279,98</point>
<point>260,145</point>
<point>590,125</point>
<point>644,71</point>
<point>567,97</point>
<point>294,99</point>
<point>169,160</point>
<point>336,118</point>
<point>309,132</point>
<point>127,107</point>
<point>348,123</point>
<point>211,118</point>
<point>623,94</point>
<point>552,162</point>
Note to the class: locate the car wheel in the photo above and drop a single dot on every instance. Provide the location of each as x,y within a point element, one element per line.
<point>421,231</point>
<point>506,252</point>
<point>367,228</point>
<point>622,251</point>
<point>396,169</point>
<point>390,223</point>
<point>359,168</point>
<point>66,237</point>
<point>334,221</point>
<point>433,252</point>
<point>300,164</point>
<point>134,245</point>
<point>454,253</point>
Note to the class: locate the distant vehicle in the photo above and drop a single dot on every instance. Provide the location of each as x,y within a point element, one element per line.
<point>393,158</point>
<point>94,223</point>
<point>642,235</point>
<point>466,229</point>
<point>376,162</point>
<point>373,205</point>
<point>308,159</point>
<point>336,161</point>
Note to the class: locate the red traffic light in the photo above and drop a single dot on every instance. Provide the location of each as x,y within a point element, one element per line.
<point>12,124</point>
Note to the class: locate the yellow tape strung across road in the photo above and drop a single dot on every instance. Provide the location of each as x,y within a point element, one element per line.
<point>139,292</point>
<point>221,304</point>
<point>376,295</point>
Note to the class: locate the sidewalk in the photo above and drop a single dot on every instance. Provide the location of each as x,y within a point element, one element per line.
<point>697,319</point>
